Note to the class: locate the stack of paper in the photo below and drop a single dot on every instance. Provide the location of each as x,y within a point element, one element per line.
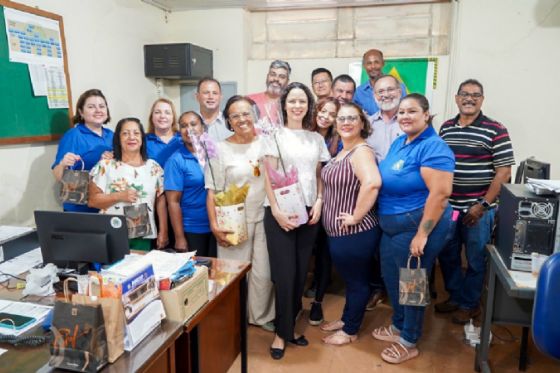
<point>20,264</point>
<point>164,263</point>
<point>541,186</point>
<point>37,311</point>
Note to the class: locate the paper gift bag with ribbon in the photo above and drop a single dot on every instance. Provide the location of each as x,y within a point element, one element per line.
<point>138,220</point>
<point>230,212</point>
<point>74,186</point>
<point>413,285</point>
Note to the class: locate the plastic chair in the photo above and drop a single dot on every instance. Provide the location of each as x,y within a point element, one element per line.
<point>546,308</point>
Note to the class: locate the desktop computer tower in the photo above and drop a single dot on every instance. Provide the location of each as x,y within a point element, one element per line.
<point>527,223</point>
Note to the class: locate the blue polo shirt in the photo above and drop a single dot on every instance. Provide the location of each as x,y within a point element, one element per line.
<point>89,146</point>
<point>364,97</point>
<point>160,151</point>
<point>403,188</point>
<point>184,174</point>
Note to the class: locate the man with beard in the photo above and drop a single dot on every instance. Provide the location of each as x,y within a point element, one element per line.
<point>388,95</point>
<point>343,88</point>
<point>268,101</point>
<point>321,81</point>
<point>484,156</point>
<point>373,63</point>
<point>209,96</point>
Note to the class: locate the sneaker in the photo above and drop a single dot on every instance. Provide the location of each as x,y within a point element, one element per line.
<point>269,326</point>
<point>316,314</point>
<point>310,293</point>
<point>377,298</point>
<point>446,306</point>
<point>464,316</point>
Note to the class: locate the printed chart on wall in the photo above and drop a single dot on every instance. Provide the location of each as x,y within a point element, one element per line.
<point>419,75</point>
<point>36,41</point>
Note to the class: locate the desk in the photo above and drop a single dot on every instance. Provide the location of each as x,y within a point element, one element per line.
<point>217,333</point>
<point>506,303</point>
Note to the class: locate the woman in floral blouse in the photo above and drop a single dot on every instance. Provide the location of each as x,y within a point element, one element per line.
<point>130,178</point>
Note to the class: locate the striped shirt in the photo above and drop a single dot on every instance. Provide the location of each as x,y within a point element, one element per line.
<point>479,149</point>
<point>341,188</point>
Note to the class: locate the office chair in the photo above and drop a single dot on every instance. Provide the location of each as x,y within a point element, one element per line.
<point>546,308</point>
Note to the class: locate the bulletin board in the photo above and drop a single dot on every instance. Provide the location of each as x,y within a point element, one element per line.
<point>27,117</point>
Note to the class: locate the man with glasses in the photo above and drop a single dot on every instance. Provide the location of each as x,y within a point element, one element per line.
<point>484,156</point>
<point>209,97</point>
<point>268,102</point>
<point>321,82</point>
<point>373,63</point>
<point>343,88</point>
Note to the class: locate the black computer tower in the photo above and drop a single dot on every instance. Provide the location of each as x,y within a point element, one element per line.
<point>177,61</point>
<point>527,223</point>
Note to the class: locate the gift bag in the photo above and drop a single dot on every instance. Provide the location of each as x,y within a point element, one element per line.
<point>79,341</point>
<point>113,314</point>
<point>287,189</point>
<point>137,220</point>
<point>413,285</point>
<point>74,186</point>
<point>230,212</point>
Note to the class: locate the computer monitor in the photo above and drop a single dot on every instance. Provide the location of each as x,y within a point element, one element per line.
<point>71,238</point>
<point>532,168</point>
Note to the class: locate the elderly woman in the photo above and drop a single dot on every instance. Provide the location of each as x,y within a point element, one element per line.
<point>88,142</point>
<point>240,161</point>
<point>186,196</point>
<point>351,184</point>
<point>324,117</point>
<point>414,215</point>
<point>162,139</point>
<point>290,244</point>
<point>130,178</point>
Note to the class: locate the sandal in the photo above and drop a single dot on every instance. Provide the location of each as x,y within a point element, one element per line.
<point>332,326</point>
<point>398,353</point>
<point>386,334</point>
<point>339,338</point>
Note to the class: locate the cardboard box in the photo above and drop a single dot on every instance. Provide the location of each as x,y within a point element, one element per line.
<point>184,300</point>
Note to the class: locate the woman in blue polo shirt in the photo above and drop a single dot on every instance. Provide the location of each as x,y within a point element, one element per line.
<point>162,137</point>
<point>414,215</point>
<point>186,195</point>
<point>87,142</point>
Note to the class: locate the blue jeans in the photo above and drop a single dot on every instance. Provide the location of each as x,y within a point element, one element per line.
<point>353,256</point>
<point>398,232</point>
<point>466,289</point>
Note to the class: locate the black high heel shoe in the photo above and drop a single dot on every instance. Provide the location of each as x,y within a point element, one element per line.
<point>277,353</point>
<point>299,341</point>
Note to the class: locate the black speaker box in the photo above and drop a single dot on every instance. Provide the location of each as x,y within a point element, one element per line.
<point>177,61</point>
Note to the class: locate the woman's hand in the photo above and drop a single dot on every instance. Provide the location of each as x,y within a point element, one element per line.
<point>69,159</point>
<point>221,236</point>
<point>129,195</point>
<point>162,240</point>
<point>181,244</point>
<point>315,212</point>
<point>346,220</point>
<point>107,155</point>
<point>418,244</point>
<point>285,221</point>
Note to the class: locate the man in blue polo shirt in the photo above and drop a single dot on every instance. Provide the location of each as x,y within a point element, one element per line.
<point>373,63</point>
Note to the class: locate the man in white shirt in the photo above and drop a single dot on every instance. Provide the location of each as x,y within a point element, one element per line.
<point>387,94</point>
<point>209,96</point>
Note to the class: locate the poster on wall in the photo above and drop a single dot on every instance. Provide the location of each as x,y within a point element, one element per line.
<point>419,75</point>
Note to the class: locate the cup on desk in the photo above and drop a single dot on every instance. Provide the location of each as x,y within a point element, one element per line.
<point>537,260</point>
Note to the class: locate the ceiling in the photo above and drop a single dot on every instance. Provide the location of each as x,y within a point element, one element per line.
<point>256,5</point>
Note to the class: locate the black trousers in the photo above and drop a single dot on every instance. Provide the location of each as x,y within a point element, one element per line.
<point>323,264</point>
<point>204,244</point>
<point>289,254</point>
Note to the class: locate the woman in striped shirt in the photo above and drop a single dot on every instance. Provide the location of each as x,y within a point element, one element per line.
<point>351,184</point>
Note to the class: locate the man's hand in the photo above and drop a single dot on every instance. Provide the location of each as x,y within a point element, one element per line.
<point>474,214</point>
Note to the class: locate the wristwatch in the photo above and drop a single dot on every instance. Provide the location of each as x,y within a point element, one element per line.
<point>484,203</point>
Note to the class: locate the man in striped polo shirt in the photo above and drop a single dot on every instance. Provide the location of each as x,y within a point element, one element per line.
<point>484,156</point>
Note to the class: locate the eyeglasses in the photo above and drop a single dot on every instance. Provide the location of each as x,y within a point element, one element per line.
<point>237,116</point>
<point>348,118</point>
<point>320,82</point>
<point>464,94</point>
<point>387,91</point>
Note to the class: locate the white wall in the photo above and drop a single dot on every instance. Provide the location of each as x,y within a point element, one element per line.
<point>104,40</point>
<point>513,48</point>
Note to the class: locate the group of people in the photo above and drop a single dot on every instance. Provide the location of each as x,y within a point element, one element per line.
<point>379,184</point>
